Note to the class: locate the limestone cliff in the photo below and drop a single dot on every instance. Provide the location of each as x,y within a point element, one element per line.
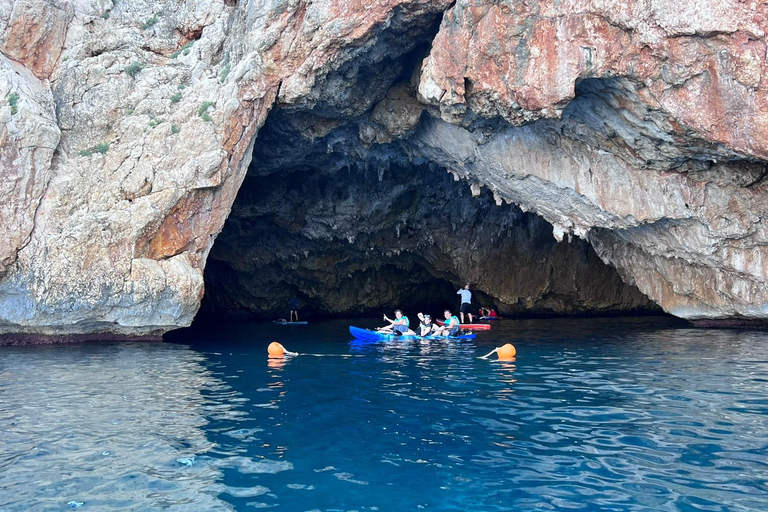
<point>650,141</point>
<point>127,129</point>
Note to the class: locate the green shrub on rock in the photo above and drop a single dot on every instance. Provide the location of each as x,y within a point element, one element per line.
<point>101,147</point>
<point>133,69</point>
<point>149,23</point>
<point>183,50</point>
<point>203,110</point>
<point>13,101</point>
<point>225,72</point>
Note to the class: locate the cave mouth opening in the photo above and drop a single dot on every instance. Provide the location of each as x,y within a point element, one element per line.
<point>337,210</point>
<point>363,238</point>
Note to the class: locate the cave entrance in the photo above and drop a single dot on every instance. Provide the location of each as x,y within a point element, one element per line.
<point>337,211</point>
<point>360,237</point>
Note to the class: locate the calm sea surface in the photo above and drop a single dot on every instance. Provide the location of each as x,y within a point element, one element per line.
<point>594,415</point>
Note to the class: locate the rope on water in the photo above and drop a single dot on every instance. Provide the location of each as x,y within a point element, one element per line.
<point>486,356</point>
<point>331,355</point>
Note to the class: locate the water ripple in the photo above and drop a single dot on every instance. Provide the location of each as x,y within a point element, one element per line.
<point>620,418</point>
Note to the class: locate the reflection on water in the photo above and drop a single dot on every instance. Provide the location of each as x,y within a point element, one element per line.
<point>113,427</point>
<point>592,415</point>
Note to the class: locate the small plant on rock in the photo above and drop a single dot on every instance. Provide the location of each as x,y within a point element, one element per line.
<point>13,100</point>
<point>225,72</point>
<point>174,128</point>
<point>149,23</point>
<point>175,98</point>
<point>101,148</point>
<point>133,69</point>
<point>203,110</point>
<point>183,50</point>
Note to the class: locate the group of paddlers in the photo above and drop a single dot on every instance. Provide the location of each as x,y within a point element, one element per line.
<point>400,325</point>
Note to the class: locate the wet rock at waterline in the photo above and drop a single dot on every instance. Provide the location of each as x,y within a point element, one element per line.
<point>127,130</point>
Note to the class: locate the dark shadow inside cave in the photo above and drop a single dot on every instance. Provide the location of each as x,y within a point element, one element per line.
<point>366,238</point>
<point>337,211</point>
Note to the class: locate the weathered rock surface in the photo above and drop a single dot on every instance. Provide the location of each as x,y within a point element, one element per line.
<point>158,105</point>
<point>127,129</point>
<point>662,168</point>
<point>114,181</point>
<point>28,137</point>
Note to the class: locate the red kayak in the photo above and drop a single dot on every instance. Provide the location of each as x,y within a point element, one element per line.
<point>476,327</point>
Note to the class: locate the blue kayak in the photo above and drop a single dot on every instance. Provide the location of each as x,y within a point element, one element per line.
<point>280,322</point>
<point>369,335</point>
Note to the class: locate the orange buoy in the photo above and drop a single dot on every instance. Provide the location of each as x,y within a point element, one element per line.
<point>507,352</point>
<point>275,350</point>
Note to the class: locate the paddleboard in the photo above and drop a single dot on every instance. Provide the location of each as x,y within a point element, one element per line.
<point>474,327</point>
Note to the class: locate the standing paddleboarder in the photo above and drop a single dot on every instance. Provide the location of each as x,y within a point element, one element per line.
<point>466,299</point>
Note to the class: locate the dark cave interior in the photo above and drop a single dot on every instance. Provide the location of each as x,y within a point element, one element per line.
<point>337,211</point>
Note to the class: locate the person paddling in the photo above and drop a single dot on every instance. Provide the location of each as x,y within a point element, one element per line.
<point>398,326</point>
<point>451,327</point>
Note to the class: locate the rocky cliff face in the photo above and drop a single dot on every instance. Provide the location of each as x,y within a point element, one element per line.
<point>127,129</point>
<point>645,132</point>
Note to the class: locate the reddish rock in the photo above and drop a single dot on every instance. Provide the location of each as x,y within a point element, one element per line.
<point>523,64</point>
<point>35,34</point>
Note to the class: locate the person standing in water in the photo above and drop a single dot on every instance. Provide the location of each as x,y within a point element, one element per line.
<point>466,299</point>
<point>294,309</point>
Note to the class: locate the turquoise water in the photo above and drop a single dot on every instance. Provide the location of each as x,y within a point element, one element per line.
<point>593,415</point>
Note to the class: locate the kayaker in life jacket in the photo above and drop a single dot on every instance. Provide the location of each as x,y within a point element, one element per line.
<point>451,327</point>
<point>398,326</point>
<point>426,327</point>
